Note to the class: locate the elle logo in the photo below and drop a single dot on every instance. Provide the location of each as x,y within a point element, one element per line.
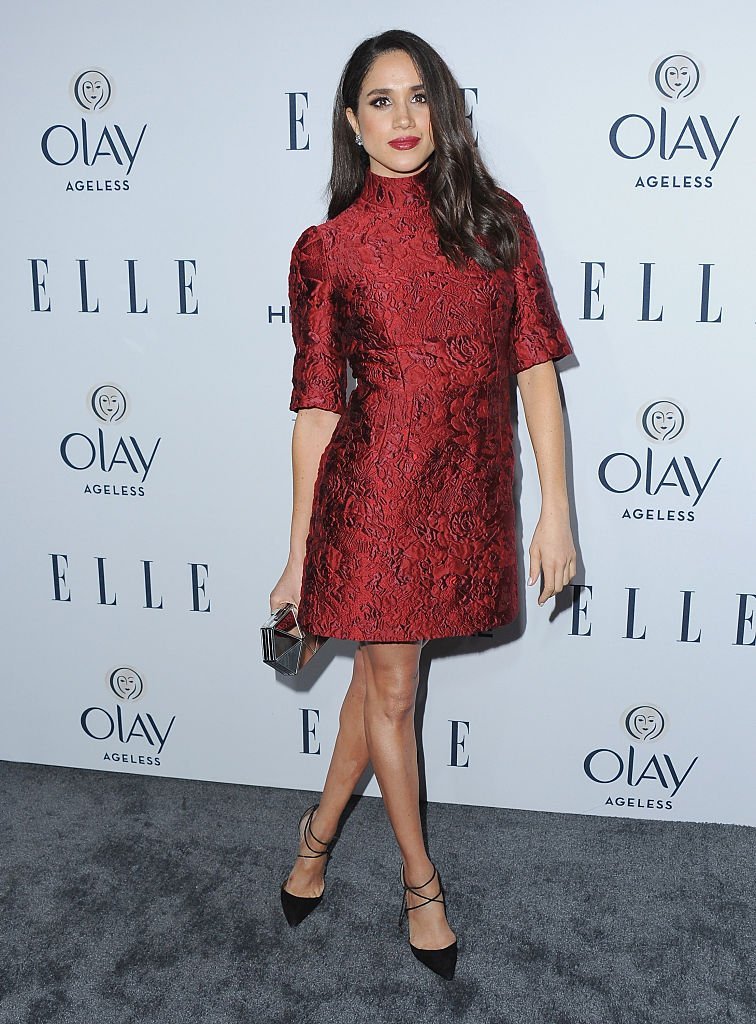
<point>458,737</point>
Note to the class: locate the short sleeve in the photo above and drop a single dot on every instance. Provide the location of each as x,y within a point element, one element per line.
<point>537,333</point>
<point>319,371</point>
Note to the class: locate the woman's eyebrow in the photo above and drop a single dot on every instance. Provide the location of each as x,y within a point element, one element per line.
<point>373,91</point>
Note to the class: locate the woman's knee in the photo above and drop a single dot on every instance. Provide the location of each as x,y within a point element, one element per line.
<point>391,678</point>
<point>354,698</point>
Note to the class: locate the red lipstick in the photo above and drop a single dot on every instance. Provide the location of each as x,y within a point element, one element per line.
<point>406,142</point>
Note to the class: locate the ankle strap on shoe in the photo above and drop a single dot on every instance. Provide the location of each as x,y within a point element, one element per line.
<point>308,826</point>
<point>413,889</point>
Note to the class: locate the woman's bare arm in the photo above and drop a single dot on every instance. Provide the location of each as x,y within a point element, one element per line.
<point>313,429</point>
<point>552,550</point>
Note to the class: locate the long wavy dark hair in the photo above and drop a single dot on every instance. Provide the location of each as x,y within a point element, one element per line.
<point>471,217</point>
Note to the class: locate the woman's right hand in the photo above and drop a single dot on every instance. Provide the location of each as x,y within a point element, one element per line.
<point>289,588</point>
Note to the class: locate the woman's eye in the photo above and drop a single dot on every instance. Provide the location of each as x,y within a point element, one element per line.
<point>383,101</point>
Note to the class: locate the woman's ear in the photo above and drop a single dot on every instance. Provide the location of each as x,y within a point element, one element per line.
<point>352,119</point>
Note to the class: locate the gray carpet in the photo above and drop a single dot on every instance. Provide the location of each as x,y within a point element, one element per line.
<point>134,899</point>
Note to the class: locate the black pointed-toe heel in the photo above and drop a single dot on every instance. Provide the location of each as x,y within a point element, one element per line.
<point>440,961</point>
<point>296,908</point>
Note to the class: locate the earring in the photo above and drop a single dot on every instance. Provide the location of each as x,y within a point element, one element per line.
<point>358,139</point>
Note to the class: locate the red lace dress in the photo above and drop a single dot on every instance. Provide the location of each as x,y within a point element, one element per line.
<point>412,529</point>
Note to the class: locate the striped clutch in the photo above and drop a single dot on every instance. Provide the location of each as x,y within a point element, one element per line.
<point>284,646</point>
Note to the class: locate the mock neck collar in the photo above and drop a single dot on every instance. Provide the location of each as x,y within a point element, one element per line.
<point>395,192</point>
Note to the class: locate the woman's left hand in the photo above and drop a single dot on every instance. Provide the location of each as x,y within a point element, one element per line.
<point>552,552</point>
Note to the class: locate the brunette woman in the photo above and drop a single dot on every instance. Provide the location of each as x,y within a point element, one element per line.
<point>426,279</point>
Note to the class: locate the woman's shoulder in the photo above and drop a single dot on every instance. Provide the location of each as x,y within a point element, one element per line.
<point>309,239</point>
<point>308,256</point>
<point>321,241</point>
<point>310,251</point>
<point>321,236</point>
<point>519,215</point>
<point>511,201</point>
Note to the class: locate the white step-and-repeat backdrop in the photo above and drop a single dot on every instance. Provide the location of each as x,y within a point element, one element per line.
<point>159,162</point>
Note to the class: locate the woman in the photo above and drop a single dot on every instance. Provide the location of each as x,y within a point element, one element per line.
<point>426,278</point>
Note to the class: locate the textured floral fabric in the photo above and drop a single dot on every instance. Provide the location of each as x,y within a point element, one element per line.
<point>412,528</point>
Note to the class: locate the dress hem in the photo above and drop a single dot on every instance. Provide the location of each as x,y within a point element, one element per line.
<point>392,639</point>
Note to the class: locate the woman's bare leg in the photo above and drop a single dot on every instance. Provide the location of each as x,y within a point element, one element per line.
<point>349,760</point>
<point>392,674</point>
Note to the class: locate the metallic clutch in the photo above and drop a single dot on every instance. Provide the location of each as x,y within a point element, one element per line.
<point>284,646</point>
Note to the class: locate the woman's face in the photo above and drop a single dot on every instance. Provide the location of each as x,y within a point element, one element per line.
<point>392,108</point>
